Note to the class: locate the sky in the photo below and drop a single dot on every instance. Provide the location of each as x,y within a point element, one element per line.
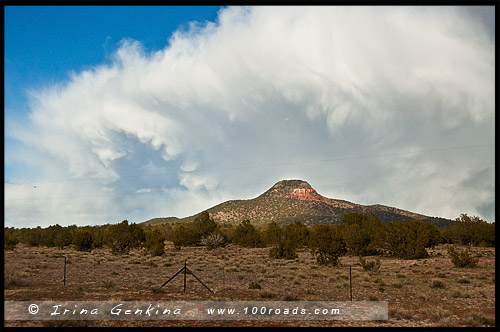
<point>115,113</point>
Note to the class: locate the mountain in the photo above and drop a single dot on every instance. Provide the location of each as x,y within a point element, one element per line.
<point>291,200</point>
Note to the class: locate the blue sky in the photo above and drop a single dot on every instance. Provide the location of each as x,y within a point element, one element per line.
<point>45,44</point>
<point>132,113</point>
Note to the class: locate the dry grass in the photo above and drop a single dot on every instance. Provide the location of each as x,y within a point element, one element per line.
<point>399,314</point>
<point>467,298</point>
<point>13,280</point>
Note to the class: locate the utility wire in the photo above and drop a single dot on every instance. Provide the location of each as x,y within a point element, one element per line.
<point>265,165</point>
<point>148,200</point>
<point>124,193</point>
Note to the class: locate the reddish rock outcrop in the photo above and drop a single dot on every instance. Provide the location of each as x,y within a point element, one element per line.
<point>304,194</point>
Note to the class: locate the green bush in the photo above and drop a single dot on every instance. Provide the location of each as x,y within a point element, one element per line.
<point>203,225</point>
<point>272,233</point>
<point>98,236</point>
<point>82,240</point>
<point>64,236</point>
<point>360,232</point>
<point>283,251</point>
<point>192,234</point>
<point>183,236</point>
<point>326,244</point>
<point>122,237</point>
<point>155,242</point>
<point>298,233</point>
<point>408,239</point>
<point>287,240</point>
<point>471,231</point>
<point>10,241</point>
<point>462,258</point>
<point>247,235</point>
<point>31,236</point>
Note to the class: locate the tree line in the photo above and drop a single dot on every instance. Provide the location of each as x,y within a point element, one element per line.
<point>357,234</point>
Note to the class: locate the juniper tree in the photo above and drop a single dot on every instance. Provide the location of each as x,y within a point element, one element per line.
<point>82,240</point>
<point>326,244</point>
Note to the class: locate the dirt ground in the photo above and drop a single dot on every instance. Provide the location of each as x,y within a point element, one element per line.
<point>424,292</point>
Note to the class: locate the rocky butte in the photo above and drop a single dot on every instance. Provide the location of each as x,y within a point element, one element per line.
<point>291,200</point>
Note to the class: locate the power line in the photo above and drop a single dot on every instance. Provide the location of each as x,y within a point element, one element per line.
<point>265,165</point>
<point>124,193</point>
<point>209,194</point>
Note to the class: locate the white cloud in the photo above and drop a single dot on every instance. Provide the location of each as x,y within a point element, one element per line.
<point>197,182</point>
<point>275,88</point>
<point>144,190</point>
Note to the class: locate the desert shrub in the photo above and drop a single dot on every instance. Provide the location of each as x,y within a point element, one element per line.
<point>191,234</point>
<point>478,320</point>
<point>247,235</point>
<point>283,251</point>
<point>52,236</point>
<point>462,258</point>
<point>254,285</point>
<point>360,233</point>
<point>471,231</point>
<point>400,314</point>
<point>48,234</point>
<point>64,236</point>
<point>267,295</point>
<point>214,240</point>
<point>155,242</point>
<point>56,236</point>
<point>108,284</point>
<point>436,283</point>
<point>157,291</point>
<point>151,264</point>
<point>183,236</point>
<point>122,237</point>
<point>298,232</point>
<point>288,238</point>
<point>98,236</point>
<point>271,233</point>
<point>31,236</point>
<point>447,322</point>
<point>203,225</point>
<point>326,244</point>
<point>82,240</point>
<point>408,239</point>
<point>370,265</point>
<point>291,297</point>
<point>10,241</point>
<point>14,279</point>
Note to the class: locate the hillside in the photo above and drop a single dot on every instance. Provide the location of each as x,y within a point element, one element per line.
<point>291,200</point>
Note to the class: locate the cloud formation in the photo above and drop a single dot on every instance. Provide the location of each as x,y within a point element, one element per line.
<point>371,105</point>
